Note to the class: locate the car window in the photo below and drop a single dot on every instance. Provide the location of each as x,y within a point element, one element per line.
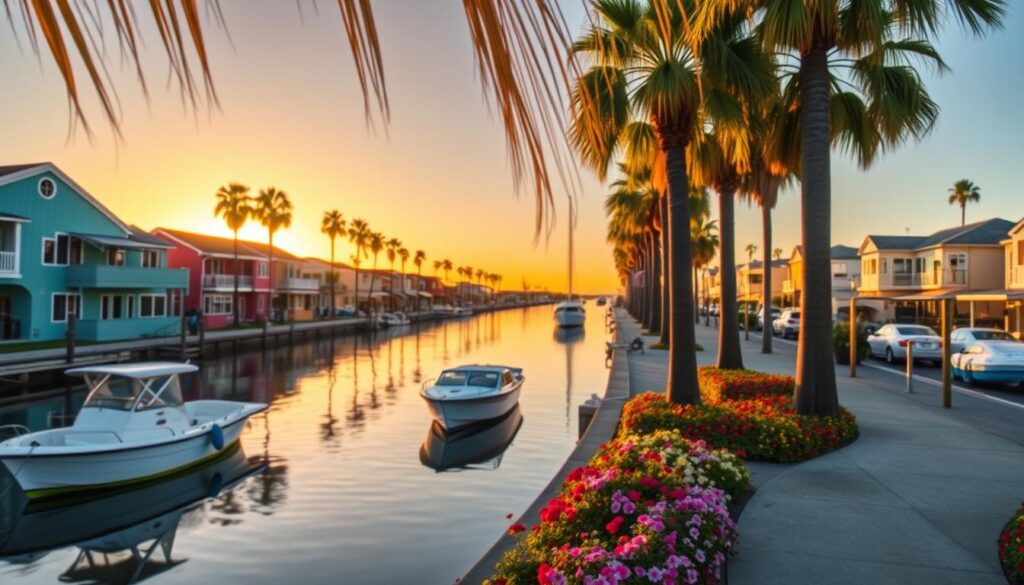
<point>957,336</point>
<point>914,330</point>
<point>993,335</point>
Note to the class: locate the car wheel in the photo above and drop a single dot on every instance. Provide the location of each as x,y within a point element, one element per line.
<point>889,356</point>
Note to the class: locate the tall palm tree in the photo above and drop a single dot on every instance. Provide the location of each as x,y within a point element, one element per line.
<point>359,234</point>
<point>403,255</point>
<point>273,210</point>
<point>705,245</point>
<point>333,225</point>
<point>233,205</point>
<point>446,266</point>
<point>751,250</point>
<point>777,253</point>
<point>392,245</point>
<point>880,103</point>
<point>961,193</point>
<point>418,259</point>
<point>437,266</point>
<point>647,66</point>
<point>375,244</point>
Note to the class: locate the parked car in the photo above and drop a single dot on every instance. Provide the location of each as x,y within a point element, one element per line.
<point>966,336</point>
<point>891,341</point>
<point>773,314</point>
<point>990,361</point>
<point>788,323</point>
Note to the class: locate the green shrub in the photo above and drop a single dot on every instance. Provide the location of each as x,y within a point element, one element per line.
<point>841,342</point>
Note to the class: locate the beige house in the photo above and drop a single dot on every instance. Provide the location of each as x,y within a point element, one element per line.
<point>749,278</point>
<point>320,270</point>
<point>1011,296</point>
<point>845,275</point>
<point>911,273</point>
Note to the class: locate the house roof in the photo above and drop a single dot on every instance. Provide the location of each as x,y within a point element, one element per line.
<point>777,263</point>
<point>841,252</point>
<point>981,233</point>
<point>327,263</point>
<point>217,245</point>
<point>13,173</point>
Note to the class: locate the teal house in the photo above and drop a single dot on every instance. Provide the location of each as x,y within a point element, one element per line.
<point>65,257</point>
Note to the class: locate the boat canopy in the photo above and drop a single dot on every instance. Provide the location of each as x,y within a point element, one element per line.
<point>138,371</point>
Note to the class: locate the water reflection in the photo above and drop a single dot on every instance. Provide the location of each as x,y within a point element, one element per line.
<point>123,538</point>
<point>344,483</point>
<point>478,446</point>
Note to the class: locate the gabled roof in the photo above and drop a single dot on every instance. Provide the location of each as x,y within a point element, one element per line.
<point>13,173</point>
<point>777,263</point>
<point>1017,227</point>
<point>340,265</point>
<point>989,232</point>
<point>218,246</point>
<point>841,252</point>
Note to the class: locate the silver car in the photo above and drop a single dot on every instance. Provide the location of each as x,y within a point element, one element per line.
<point>891,341</point>
<point>966,336</point>
<point>788,324</point>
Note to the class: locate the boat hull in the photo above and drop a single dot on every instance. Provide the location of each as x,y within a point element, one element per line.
<point>472,445</point>
<point>454,414</point>
<point>568,319</point>
<point>45,475</point>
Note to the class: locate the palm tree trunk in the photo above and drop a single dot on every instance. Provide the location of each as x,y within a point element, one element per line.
<point>766,281</point>
<point>656,301</point>
<point>234,266</point>
<point>696,296</point>
<point>334,278</point>
<point>270,269</point>
<point>729,355</point>
<point>815,392</point>
<point>682,385</point>
<point>963,214</point>
<point>649,293</point>
<point>666,258</point>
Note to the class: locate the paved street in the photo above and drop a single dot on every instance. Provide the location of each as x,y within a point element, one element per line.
<point>920,497</point>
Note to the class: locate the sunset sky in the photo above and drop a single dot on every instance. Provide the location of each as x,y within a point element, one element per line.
<point>292,117</point>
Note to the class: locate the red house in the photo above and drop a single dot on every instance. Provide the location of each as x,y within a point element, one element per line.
<point>211,264</point>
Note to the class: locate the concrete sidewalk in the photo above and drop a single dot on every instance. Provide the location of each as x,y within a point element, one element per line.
<point>920,497</point>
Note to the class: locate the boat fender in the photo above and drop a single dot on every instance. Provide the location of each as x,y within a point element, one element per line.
<point>217,437</point>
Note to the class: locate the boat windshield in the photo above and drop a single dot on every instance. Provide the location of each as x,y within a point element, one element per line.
<point>471,378</point>
<point>452,378</point>
<point>121,393</point>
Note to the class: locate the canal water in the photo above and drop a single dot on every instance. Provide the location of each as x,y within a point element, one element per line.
<point>343,480</point>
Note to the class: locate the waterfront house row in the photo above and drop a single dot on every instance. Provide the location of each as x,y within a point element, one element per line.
<point>65,257</point>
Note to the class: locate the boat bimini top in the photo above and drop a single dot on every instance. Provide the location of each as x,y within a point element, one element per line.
<point>134,387</point>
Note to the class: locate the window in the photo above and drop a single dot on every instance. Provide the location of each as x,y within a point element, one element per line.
<point>115,257</point>
<point>47,188</point>
<point>262,270</point>
<point>61,250</point>
<point>217,304</point>
<point>64,304</point>
<point>152,305</point>
<point>885,265</point>
<point>150,259</point>
<point>116,306</point>
<point>261,303</point>
<point>839,269</point>
<point>958,260</point>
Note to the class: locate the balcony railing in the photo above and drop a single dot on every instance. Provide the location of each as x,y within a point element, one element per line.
<point>227,280</point>
<point>301,284</point>
<point>906,279</point>
<point>8,261</point>
<point>104,276</point>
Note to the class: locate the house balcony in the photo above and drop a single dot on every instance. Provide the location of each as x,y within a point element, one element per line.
<point>104,276</point>
<point>118,329</point>
<point>949,277</point>
<point>298,284</point>
<point>227,281</point>
<point>1016,277</point>
<point>8,262</point>
<point>10,245</point>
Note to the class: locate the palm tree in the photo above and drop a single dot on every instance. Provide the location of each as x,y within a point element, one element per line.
<point>880,104</point>
<point>705,245</point>
<point>418,259</point>
<point>333,225</point>
<point>359,234</point>
<point>647,65</point>
<point>962,193</point>
<point>437,266</point>
<point>375,243</point>
<point>446,265</point>
<point>273,210</point>
<point>233,205</point>
<point>403,254</point>
<point>751,249</point>
<point>777,253</point>
<point>392,246</point>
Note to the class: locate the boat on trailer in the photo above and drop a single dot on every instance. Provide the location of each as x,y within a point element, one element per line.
<point>133,427</point>
<point>472,393</point>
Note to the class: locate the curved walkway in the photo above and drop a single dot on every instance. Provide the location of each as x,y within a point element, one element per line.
<point>920,497</point>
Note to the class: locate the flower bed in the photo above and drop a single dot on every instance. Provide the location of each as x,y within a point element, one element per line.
<point>761,428</point>
<point>1011,548</point>
<point>647,509</point>
<point>717,385</point>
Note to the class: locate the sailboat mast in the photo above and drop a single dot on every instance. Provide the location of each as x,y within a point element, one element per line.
<point>572,221</point>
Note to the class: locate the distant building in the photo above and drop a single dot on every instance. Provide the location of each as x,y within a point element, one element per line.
<point>749,279</point>
<point>844,272</point>
<point>912,273</point>
<point>64,255</point>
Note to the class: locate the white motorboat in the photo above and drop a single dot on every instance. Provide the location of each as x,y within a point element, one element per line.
<point>443,310</point>
<point>472,393</point>
<point>133,427</point>
<point>462,312</point>
<point>570,314</point>
<point>395,319</point>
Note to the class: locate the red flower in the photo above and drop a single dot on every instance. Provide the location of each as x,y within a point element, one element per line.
<point>613,526</point>
<point>515,529</point>
<point>542,574</point>
<point>508,516</point>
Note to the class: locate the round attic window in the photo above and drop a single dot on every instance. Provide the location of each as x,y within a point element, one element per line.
<point>47,188</point>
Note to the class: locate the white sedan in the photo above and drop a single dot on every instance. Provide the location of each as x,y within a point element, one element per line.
<point>891,341</point>
<point>966,336</point>
<point>1000,362</point>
